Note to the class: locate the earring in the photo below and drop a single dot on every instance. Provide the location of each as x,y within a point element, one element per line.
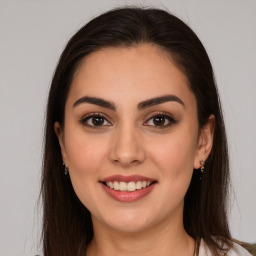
<point>66,169</point>
<point>202,162</point>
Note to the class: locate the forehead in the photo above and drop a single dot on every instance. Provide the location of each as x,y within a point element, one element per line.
<point>137,72</point>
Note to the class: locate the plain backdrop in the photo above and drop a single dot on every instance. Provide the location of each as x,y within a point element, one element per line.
<point>33,34</point>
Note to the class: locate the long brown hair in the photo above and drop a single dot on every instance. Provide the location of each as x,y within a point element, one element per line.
<point>67,225</point>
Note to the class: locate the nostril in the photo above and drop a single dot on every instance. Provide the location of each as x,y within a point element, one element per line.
<point>127,149</point>
<point>127,162</point>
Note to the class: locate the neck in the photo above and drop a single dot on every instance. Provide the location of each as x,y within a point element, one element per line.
<point>162,240</point>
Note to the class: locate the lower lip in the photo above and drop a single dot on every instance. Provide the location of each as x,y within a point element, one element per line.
<point>126,196</point>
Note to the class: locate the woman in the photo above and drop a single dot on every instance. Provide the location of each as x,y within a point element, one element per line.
<point>136,159</point>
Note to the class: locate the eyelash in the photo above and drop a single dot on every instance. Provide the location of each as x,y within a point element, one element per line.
<point>168,117</point>
<point>84,120</point>
<point>164,115</point>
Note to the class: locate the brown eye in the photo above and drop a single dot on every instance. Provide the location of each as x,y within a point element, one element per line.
<point>95,121</point>
<point>160,121</point>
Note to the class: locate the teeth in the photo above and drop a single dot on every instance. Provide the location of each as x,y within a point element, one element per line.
<point>111,184</point>
<point>130,186</point>
<point>138,185</point>
<point>122,186</point>
<point>116,185</point>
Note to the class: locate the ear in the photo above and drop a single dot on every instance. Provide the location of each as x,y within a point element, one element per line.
<point>205,142</point>
<point>60,135</point>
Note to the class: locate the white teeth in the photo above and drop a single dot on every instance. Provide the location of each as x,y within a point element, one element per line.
<point>138,185</point>
<point>130,186</point>
<point>122,186</point>
<point>111,184</point>
<point>116,185</point>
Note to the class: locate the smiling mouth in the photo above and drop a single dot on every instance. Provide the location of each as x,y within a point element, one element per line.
<point>128,186</point>
<point>128,189</point>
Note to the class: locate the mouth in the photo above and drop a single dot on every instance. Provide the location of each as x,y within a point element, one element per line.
<point>128,186</point>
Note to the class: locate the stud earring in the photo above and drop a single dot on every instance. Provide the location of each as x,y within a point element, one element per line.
<point>202,162</point>
<point>66,169</point>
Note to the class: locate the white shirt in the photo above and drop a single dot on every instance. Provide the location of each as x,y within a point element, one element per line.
<point>236,250</point>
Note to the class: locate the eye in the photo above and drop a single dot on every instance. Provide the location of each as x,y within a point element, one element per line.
<point>95,120</point>
<point>160,120</point>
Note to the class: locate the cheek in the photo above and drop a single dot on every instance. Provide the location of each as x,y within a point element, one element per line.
<point>85,153</point>
<point>85,157</point>
<point>174,154</point>
<point>174,158</point>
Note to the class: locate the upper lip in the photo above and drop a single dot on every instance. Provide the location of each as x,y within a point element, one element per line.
<point>130,178</point>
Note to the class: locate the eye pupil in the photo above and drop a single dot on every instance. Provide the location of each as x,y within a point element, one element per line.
<point>159,120</point>
<point>97,121</point>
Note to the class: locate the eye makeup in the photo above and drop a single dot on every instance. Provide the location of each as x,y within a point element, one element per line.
<point>95,120</point>
<point>158,120</point>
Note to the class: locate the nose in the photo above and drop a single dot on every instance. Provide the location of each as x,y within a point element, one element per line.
<point>127,147</point>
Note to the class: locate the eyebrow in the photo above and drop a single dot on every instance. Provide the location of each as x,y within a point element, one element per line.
<point>142,105</point>
<point>96,101</point>
<point>159,100</point>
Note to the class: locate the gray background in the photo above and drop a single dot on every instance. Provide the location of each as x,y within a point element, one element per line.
<point>32,36</point>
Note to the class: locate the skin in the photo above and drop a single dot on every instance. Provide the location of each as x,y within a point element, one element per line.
<point>129,142</point>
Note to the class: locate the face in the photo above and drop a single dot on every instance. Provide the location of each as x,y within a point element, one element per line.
<point>131,138</point>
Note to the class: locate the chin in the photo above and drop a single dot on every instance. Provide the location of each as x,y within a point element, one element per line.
<point>129,222</point>
<point>130,227</point>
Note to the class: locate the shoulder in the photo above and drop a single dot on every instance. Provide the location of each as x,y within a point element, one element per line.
<point>236,250</point>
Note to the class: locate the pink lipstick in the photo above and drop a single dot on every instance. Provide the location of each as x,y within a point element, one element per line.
<point>127,188</point>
